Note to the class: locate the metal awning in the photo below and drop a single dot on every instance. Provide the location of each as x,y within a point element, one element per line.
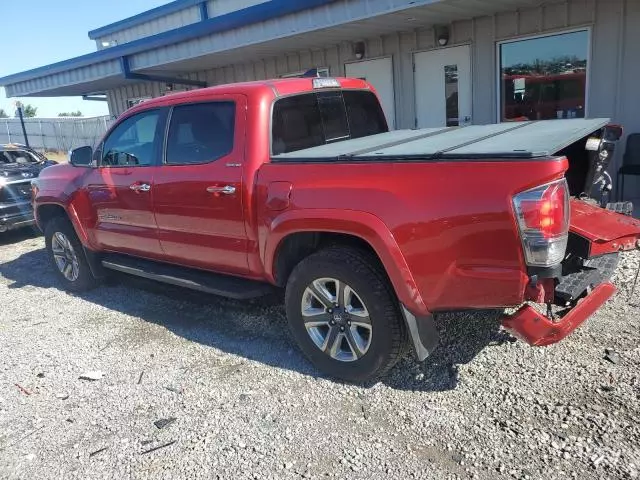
<point>261,31</point>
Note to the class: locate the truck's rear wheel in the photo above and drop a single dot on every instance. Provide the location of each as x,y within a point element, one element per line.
<point>67,256</point>
<point>344,316</point>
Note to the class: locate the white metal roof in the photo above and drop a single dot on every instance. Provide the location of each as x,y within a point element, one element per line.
<point>211,43</point>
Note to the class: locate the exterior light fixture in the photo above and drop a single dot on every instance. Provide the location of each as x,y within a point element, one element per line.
<point>443,36</point>
<point>359,50</point>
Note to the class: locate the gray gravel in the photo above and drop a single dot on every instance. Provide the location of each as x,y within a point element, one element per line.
<point>246,404</point>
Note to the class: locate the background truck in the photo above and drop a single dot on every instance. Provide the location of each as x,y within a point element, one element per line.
<point>297,184</point>
<point>19,164</point>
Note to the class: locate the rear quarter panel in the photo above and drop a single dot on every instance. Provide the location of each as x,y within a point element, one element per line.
<point>445,231</point>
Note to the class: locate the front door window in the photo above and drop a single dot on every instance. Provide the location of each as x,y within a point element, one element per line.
<point>132,143</point>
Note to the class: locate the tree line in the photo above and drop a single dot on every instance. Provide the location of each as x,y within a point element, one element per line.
<point>29,111</point>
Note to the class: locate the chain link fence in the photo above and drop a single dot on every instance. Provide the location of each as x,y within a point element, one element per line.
<point>55,134</point>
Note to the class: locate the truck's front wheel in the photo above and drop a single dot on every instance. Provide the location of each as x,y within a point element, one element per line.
<point>67,255</point>
<point>344,316</point>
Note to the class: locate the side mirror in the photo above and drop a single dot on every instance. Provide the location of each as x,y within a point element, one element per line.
<point>81,157</point>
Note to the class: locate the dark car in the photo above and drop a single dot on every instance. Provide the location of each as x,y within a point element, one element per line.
<point>18,166</point>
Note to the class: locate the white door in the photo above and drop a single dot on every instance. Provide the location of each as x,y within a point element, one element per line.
<point>378,73</point>
<point>443,87</point>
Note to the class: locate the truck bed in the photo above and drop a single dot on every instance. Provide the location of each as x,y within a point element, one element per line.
<point>514,140</point>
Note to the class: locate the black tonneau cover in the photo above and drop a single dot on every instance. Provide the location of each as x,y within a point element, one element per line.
<point>514,140</point>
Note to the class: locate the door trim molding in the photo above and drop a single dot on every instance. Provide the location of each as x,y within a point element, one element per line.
<point>433,49</point>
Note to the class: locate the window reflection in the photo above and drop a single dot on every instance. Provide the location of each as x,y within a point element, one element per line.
<point>544,78</point>
<point>451,94</point>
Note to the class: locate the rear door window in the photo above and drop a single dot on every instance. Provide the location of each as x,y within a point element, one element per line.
<point>313,119</point>
<point>200,133</point>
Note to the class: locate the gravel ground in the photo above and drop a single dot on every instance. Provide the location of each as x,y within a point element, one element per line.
<point>248,405</point>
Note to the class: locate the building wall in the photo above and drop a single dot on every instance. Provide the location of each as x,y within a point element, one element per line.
<point>173,20</point>
<point>118,98</point>
<point>220,7</point>
<point>614,67</point>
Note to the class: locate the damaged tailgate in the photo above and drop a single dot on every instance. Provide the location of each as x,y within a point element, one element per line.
<point>603,231</point>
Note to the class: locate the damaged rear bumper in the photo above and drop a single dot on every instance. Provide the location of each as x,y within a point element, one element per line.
<point>582,286</point>
<point>538,330</point>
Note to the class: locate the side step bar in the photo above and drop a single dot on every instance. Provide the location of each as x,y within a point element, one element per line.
<point>216,284</point>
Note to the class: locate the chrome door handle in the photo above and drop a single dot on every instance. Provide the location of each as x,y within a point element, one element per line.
<point>226,190</point>
<point>140,187</point>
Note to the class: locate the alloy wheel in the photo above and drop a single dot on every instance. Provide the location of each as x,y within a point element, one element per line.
<point>336,319</point>
<point>65,256</point>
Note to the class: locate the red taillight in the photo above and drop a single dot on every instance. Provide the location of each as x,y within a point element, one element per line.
<point>547,214</point>
<point>543,218</point>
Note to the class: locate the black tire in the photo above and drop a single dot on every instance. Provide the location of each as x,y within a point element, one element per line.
<point>85,279</point>
<point>388,338</point>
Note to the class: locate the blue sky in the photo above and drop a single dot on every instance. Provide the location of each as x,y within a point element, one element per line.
<point>40,32</point>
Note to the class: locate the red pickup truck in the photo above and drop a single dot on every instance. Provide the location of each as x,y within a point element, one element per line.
<point>297,184</point>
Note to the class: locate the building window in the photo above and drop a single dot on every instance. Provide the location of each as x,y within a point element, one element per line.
<point>451,95</point>
<point>545,77</point>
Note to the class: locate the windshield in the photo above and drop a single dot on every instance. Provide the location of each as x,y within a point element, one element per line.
<point>314,119</point>
<point>17,156</point>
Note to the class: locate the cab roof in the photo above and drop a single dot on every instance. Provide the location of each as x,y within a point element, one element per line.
<point>269,89</point>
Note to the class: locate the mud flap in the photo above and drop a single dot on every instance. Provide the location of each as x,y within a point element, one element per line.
<point>95,263</point>
<point>423,333</point>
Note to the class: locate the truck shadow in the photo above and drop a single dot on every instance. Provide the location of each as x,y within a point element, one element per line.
<point>18,235</point>
<point>257,330</point>
<point>463,335</point>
